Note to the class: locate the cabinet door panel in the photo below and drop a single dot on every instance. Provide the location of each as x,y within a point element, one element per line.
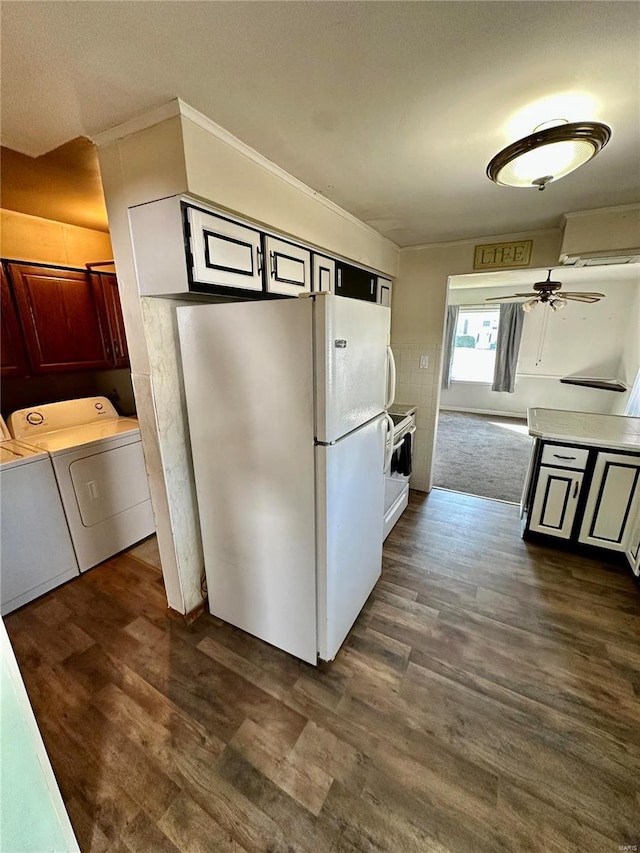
<point>612,501</point>
<point>555,502</point>
<point>225,253</point>
<point>384,291</point>
<point>324,274</point>
<point>60,317</point>
<point>356,283</point>
<point>14,357</point>
<point>106,286</point>
<point>633,548</point>
<point>288,269</point>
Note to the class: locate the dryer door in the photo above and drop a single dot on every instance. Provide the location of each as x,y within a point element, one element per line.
<point>108,483</point>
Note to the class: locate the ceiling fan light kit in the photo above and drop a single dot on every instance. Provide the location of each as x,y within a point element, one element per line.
<point>547,292</point>
<point>549,153</point>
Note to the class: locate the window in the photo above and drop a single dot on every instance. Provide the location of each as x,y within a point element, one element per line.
<point>474,352</point>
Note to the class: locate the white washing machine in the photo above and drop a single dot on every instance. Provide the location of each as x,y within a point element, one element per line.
<point>37,554</point>
<point>99,466</point>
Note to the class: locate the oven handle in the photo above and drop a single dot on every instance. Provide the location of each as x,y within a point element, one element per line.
<point>391,378</point>
<point>388,450</point>
<point>398,445</point>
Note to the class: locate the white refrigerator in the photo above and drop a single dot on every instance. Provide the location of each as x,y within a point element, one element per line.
<point>286,403</point>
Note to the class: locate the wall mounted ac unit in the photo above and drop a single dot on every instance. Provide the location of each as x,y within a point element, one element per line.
<point>601,259</point>
<point>593,238</point>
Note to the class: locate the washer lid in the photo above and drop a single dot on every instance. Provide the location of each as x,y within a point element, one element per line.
<point>13,453</point>
<point>107,433</point>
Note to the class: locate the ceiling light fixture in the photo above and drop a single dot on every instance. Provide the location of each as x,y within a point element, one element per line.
<point>553,150</point>
<point>548,293</point>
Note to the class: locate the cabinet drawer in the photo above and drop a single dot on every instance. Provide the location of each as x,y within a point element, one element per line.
<point>565,457</point>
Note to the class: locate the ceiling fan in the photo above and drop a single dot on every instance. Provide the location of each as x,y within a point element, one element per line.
<point>548,292</point>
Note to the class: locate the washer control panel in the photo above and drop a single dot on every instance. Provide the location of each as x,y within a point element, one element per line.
<point>27,423</point>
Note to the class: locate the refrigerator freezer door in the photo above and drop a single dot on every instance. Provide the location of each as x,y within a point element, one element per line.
<point>351,340</point>
<point>350,499</point>
<point>248,379</point>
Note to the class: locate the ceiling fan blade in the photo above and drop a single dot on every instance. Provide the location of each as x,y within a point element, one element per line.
<point>513,296</point>
<point>581,297</point>
<point>584,293</point>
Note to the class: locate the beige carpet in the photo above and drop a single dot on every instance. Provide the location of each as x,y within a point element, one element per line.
<point>482,455</point>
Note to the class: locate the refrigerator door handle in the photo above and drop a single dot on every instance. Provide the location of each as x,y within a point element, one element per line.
<point>391,375</point>
<point>388,444</point>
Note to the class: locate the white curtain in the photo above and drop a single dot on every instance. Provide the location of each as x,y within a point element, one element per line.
<point>508,346</point>
<point>449,344</point>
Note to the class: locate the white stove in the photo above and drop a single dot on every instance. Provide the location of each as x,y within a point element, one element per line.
<point>99,466</point>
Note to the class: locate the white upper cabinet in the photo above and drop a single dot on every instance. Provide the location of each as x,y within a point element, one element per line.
<point>324,274</point>
<point>384,291</point>
<point>180,247</point>
<point>288,267</point>
<point>224,253</point>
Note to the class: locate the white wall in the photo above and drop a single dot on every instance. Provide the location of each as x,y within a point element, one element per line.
<point>417,324</point>
<point>587,340</point>
<point>178,151</point>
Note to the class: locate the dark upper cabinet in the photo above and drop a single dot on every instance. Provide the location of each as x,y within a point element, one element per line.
<point>105,287</point>
<point>14,356</point>
<point>61,319</point>
<point>356,283</point>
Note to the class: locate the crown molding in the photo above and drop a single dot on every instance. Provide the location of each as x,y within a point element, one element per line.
<point>475,241</point>
<point>138,123</point>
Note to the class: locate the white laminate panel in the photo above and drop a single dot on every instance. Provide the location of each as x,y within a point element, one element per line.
<point>615,431</point>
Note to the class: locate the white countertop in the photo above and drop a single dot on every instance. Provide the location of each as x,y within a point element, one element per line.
<point>616,431</point>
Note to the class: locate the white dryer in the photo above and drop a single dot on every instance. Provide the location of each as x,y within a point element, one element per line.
<point>98,462</point>
<point>37,554</point>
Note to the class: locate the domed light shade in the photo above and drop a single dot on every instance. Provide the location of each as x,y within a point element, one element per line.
<point>548,154</point>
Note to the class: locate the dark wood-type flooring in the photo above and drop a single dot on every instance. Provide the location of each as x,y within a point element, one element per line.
<point>487,699</point>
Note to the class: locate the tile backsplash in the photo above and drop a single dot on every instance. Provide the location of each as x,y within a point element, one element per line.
<point>419,386</point>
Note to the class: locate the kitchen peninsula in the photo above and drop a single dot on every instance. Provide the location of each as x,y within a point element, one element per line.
<point>583,482</point>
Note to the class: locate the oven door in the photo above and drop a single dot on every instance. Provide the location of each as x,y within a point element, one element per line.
<point>396,485</point>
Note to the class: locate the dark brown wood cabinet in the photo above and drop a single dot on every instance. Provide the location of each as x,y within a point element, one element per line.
<point>61,319</point>
<point>106,288</point>
<point>13,359</point>
<point>57,320</point>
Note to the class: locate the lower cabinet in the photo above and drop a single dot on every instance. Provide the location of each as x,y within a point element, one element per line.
<point>612,502</point>
<point>633,546</point>
<point>598,505</point>
<point>555,502</point>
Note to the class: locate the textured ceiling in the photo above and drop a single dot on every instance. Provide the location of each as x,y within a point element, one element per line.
<point>390,109</point>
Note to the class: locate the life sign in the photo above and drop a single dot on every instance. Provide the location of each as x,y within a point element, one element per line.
<point>494,256</point>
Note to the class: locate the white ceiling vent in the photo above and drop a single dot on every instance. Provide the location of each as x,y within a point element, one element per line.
<point>601,259</point>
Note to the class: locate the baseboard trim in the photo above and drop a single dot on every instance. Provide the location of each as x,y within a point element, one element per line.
<point>482,412</point>
<point>191,616</point>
